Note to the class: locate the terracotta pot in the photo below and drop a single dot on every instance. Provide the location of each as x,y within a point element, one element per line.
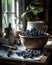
<point>34,42</point>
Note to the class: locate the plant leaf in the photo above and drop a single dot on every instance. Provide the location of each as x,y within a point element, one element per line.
<point>40,10</point>
<point>35,12</point>
<point>27,17</point>
<point>24,14</point>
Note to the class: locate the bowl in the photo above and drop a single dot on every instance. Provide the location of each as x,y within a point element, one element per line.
<point>37,42</point>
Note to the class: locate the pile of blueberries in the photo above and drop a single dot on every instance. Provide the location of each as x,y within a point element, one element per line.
<point>30,53</point>
<point>33,32</point>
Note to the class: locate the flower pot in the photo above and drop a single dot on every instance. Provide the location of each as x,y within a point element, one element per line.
<point>38,25</point>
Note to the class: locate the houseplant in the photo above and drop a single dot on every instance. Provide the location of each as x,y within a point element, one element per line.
<point>31,16</point>
<point>31,12</point>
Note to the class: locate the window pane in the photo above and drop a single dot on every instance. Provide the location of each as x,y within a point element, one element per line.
<point>11,5</point>
<point>4,21</point>
<point>11,19</point>
<point>3,5</point>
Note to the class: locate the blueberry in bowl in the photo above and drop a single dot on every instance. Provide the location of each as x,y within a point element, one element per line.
<point>34,38</point>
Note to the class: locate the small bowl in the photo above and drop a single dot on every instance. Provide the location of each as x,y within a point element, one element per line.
<point>36,42</point>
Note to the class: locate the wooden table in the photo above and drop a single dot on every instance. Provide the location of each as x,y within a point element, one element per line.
<point>15,61</point>
<point>43,61</point>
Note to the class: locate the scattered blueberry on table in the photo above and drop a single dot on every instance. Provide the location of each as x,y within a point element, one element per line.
<point>30,53</point>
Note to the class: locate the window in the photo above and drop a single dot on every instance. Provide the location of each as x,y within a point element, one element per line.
<point>10,13</point>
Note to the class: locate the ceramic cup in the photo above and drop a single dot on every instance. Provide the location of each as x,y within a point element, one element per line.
<point>38,25</point>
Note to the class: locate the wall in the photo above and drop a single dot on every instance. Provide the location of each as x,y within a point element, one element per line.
<point>0,16</point>
<point>50,15</point>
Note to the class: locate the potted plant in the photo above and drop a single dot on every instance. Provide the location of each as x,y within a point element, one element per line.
<point>31,16</point>
<point>31,13</point>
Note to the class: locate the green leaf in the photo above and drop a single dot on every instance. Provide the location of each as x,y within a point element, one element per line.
<point>32,7</point>
<point>35,12</point>
<point>27,17</point>
<point>24,14</point>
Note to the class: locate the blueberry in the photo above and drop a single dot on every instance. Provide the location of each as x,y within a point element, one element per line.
<point>30,56</point>
<point>19,53</point>
<point>36,55</point>
<point>8,55</point>
<point>42,52</point>
<point>25,56</point>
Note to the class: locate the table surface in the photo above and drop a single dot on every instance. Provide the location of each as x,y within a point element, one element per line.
<point>4,57</point>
